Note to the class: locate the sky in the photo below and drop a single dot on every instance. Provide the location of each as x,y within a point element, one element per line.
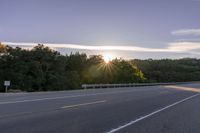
<point>123,28</point>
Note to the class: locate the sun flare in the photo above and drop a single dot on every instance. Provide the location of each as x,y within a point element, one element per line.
<point>107,58</point>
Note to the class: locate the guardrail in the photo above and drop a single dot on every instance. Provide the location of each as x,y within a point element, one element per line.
<point>89,86</point>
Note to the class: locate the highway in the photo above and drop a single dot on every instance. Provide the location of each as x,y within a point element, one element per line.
<point>149,109</point>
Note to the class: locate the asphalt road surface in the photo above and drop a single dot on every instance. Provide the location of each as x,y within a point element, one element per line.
<point>152,109</point>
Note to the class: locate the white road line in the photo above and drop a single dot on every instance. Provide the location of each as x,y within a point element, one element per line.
<point>83,104</point>
<point>153,113</point>
<point>70,96</point>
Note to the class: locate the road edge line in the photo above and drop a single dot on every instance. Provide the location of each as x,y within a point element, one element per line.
<point>151,114</point>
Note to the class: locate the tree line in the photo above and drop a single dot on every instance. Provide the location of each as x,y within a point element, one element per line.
<point>44,69</point>
<point>168,70</point>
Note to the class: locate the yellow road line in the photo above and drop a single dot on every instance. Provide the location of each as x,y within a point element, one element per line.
<point>83,104</point>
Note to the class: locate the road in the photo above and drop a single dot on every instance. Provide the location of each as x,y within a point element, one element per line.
<point>150,109</point>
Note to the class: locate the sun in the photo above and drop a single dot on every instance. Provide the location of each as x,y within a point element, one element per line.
<point>107,58</point>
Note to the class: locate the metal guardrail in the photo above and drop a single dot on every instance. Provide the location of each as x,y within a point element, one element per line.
<point>89,86</point>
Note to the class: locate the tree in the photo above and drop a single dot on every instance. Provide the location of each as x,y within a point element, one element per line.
<point>43,69</point>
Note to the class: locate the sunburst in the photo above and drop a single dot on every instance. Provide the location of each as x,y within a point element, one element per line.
<point>107,58</point>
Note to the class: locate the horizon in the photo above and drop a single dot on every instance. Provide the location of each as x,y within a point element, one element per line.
<point>128,29</point>
<point>107,56</point>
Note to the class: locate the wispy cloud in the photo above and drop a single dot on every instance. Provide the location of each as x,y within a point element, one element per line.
<point>175,47</point>
<point>184,46</point>
<point>188,40</point>
<point>90,47</point>
<point>194,32</point>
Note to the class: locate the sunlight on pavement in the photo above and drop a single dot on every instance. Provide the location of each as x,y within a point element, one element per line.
<point>183,88</point>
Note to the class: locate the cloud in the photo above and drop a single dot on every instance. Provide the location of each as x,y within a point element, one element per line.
<point>188,40</point>
<point>181,32</point>
<point>184,46</point>
<point>90,47</point>
<point>174,47</point>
